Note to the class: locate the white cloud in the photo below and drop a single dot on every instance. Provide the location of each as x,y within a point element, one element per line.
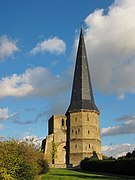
<point>128,127</point>
<point>1,126</point>
<point>110,44</point>
<point>7,47</point>
<point>117,150</point>
<point>16,117</point>
<point>33,82</point>
<point>4,113</point>
<point>26,116</point>
<point>52,45</point>
<point>15,85</point>
<point>126,118</point>
<point>33,139</point>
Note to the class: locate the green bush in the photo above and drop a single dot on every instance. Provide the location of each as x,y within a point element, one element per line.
<point>4,175</point>
<point>20,161</point>
<point>125,166</point>
<point>43,166</point>
<point>25,171</point>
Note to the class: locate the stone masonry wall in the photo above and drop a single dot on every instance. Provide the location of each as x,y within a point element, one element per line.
<point>84,135</point>
<point>56,142</point>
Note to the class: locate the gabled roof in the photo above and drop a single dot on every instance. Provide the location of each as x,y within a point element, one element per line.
<point>82,94</point>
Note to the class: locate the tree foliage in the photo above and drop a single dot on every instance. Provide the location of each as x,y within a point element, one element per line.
<point>123,166</point>
<point>129,155</point>
<point>20,160</point>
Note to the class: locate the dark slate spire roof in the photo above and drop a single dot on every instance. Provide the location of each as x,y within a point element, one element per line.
<point>82,95</point>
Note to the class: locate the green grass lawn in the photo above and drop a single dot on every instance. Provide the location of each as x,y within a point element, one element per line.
<point>65,174</point>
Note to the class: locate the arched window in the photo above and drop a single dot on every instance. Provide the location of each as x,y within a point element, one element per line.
<point>89,145</point>
<point>62,123</point>
<point>88,132</point>
<point>76,146</point>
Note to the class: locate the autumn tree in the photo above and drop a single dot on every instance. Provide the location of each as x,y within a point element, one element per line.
<point>20,160</point>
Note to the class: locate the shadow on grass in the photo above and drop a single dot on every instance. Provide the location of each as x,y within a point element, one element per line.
<point>105,175</point>
<point>82,176</point>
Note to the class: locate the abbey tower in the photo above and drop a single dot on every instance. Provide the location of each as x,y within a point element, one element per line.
<point>76,135</point>
<point>83,133</point>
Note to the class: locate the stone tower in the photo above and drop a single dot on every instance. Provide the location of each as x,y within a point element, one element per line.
<point>83,132</point>
<point>75,136</point>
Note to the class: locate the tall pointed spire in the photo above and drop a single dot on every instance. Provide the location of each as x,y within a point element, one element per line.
<point>82,94</point>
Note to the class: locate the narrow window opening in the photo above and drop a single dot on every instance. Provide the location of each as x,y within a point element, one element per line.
<point>72,131</point>
<point>62,123</point>
<point>89,145</point>
<point>88,132</point>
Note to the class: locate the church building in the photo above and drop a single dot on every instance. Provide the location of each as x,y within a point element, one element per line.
<point>75,135</point>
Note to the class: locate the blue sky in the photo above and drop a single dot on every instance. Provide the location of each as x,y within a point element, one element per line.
<point>38,42</point>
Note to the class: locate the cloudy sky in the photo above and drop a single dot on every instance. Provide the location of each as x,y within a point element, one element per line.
<point>38,42</point>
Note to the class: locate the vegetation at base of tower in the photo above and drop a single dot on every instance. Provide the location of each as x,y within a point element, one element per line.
<point>124,165</point>
<point>20,160</point>
<point>54,150</point>
<point>108,158</point>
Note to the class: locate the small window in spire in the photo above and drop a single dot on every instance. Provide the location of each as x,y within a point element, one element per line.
<point>88,132</point>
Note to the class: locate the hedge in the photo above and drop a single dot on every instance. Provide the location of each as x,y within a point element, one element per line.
<point>124,167</point>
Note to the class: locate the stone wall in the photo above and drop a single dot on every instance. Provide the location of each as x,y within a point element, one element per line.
<point>55,151</point>
<point>84,135</point>
<point>84,138</point>
<point>48,148</point>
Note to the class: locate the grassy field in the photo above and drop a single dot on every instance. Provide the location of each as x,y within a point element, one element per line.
<point>65,174</point>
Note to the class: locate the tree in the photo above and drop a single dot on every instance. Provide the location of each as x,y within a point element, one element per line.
<point>20,160</point>
<point>128,155</point>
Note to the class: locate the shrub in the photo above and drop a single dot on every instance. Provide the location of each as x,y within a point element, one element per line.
<point>20,161</point>
<point>125,166</point>
<point>43,166</point>
<point>4,175</point>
